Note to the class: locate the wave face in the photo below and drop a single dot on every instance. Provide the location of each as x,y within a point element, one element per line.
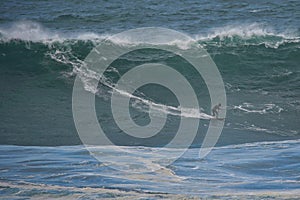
<point>260,69</point>
<point>256,47</point>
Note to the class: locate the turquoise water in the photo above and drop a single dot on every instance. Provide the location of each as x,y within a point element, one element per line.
<point>256,47</point>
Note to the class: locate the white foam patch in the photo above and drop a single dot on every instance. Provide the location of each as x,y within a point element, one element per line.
<point>262,35</point>
<point>28,31</point>
<point>36,32</point>
<point>245,31</point>
<point>260,109</point>
<point>259,144</point>
<point>46,191</point>
<point>182,44</point>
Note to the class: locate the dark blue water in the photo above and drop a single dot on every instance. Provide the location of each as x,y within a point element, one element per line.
<point>255,45</point>
<point>259,170</point>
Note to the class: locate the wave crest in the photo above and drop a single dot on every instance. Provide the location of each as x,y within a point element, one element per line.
<point>231,35</point>
<point>247,34</point>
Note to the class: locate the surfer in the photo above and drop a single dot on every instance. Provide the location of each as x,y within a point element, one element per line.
<point>215,110</point>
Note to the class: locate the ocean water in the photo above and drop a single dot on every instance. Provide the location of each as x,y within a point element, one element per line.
<point>256,47</point>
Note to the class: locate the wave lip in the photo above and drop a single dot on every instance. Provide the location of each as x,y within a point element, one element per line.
<point>230,35</point>
<point>247,34</point>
